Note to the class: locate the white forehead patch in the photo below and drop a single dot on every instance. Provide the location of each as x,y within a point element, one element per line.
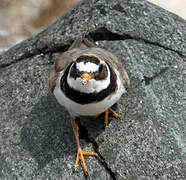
<point>88,66</point>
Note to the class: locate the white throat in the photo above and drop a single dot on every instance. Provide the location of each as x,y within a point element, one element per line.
<point>93,86</point>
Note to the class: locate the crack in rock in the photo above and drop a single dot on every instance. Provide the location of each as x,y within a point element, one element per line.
<point>83,132</point>
<point>30,55</point>
<point>100,34</point>
<point>148,80</point>
<point>103,33</point>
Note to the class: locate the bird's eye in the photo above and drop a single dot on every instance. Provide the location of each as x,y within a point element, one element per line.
<point>100,67</point>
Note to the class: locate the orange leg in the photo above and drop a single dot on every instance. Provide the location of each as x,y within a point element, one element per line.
<point>80,152</point>
<point>109,110</point>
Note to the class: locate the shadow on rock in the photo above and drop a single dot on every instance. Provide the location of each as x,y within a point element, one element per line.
<point>47,133</point>
<point>94,127</point>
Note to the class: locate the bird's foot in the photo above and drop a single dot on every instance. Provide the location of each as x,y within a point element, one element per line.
<point>107,114</point>
<point>80,156</point>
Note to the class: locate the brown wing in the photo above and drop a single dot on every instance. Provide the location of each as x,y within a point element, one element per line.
<point>61,64</point>
<point>112,59</point>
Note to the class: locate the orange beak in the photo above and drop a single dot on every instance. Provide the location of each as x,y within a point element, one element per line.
<point>85,78</point>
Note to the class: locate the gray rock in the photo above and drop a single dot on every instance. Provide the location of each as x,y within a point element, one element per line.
<point>104,19</point>
<point>37,141</point>
<point>149,139</point>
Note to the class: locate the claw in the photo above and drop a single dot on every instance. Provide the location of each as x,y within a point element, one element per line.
<point>80,156</point>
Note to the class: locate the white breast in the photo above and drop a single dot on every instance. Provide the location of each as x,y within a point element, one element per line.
<point>92,109</point>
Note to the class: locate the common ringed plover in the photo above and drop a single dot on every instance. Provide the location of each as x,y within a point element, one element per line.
<point>87,81</point>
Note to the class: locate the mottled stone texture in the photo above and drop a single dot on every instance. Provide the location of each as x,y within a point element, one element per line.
<point>149,139</point>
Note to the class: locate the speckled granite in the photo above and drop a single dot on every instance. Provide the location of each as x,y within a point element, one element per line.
<point>149,139</point>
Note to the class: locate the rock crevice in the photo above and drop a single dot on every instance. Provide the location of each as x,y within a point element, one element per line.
<point>147,142</point>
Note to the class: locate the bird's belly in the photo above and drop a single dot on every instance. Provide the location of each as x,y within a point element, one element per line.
<point>91,109</point>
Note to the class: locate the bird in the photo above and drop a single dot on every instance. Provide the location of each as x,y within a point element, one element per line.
<point>87,80</point>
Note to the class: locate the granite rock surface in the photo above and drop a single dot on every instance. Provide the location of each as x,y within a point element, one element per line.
<point>149,139</point>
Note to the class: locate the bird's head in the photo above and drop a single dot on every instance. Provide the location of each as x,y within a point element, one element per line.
<point>88,74</point>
